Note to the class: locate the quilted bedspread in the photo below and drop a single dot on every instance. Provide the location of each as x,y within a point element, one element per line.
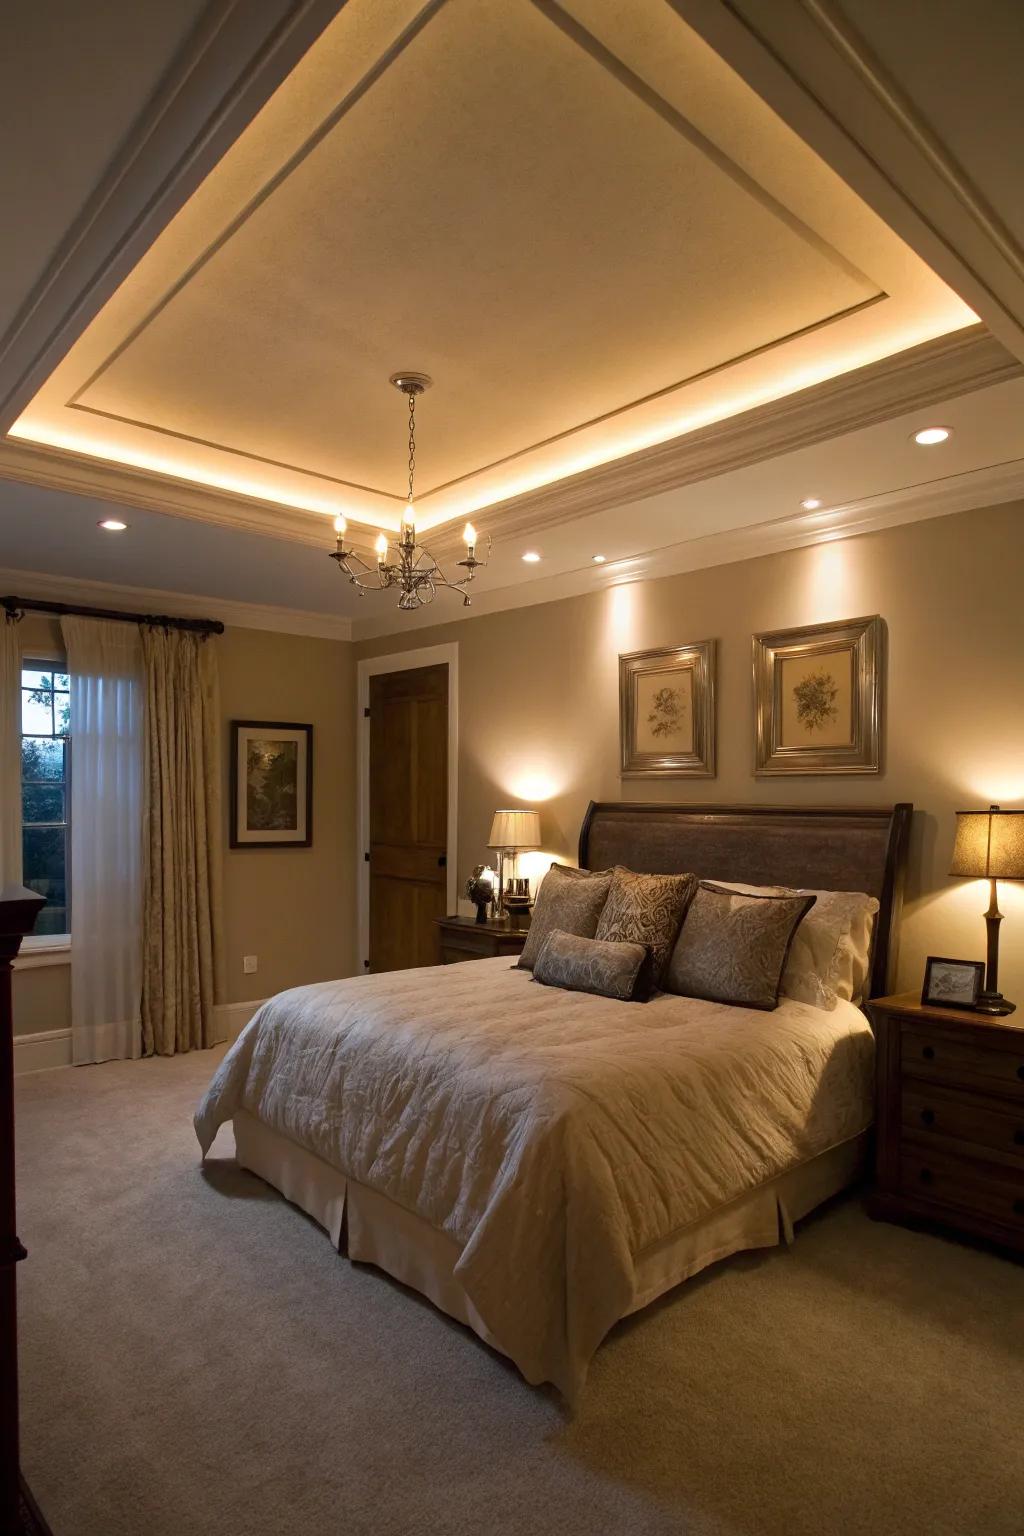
<point>553,1135</point>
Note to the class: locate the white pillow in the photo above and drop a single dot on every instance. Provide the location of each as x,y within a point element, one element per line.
<point>828,958</point>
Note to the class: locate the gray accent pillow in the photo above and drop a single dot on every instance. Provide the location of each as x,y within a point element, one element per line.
<point>569,899</point>
<point>590,965</point>
<point>733,946</point>
<point>646,909</point>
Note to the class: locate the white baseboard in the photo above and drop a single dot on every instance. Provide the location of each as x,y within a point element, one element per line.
<point>231,1018</point>
<point>52,1047</point>
<point>39,1053</point>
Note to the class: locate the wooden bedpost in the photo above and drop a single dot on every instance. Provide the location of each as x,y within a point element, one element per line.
<point>18,1512</point>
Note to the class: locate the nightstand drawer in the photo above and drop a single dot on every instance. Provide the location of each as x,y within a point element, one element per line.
<point>964,1184</point>
<point>937,1115</point>
<point>463,939</point>
<point>962,1059</point>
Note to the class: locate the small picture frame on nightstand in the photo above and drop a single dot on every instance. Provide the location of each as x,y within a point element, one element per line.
<point>951,983</point>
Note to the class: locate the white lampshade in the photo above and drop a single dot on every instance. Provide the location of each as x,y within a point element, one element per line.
<point>515,829</point>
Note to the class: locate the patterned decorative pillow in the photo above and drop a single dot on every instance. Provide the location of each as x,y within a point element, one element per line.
<point>646,909</point>
<point>569,899</point>
<point>831,951</point>
<point>733,946</point>
<point>590,965</point>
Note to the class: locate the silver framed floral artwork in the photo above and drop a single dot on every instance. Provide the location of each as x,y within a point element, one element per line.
<point>667,712</point>
<point>817,698</point>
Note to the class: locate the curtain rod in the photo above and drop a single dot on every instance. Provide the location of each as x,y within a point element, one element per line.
<point>15,606</point>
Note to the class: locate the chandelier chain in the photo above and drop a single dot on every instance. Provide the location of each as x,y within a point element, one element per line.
<point>413,571</point>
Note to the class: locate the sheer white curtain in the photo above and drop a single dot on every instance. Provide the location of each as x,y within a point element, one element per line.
<point>107,713</point>
<point>10,753</point>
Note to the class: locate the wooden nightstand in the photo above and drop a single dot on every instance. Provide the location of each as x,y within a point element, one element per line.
<point>949,1113</point>
<point>463,938</point>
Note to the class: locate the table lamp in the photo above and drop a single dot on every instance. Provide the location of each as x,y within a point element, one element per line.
<point>510,832</point>
<point>990,846</point>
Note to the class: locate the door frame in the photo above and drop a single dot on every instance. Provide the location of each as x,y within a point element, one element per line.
<point>373,666</point>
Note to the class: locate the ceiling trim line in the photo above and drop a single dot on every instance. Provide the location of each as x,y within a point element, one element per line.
<point>638,87</point>
<point>280,176</point>
<point>236,56</point>
<point>435,490</point>
<point>239,453</point>
<point>659,394</point>
<point>788,58</point>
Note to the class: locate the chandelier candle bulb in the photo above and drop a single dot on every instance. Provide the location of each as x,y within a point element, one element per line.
<point>382,548</point>
<point>469,534</point>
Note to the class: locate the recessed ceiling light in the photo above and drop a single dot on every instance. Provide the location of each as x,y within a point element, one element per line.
<point>811,503</point>
<point>598,559</point>
<point>531,557</point>
<point>929,435</point>
<point>113,525</point>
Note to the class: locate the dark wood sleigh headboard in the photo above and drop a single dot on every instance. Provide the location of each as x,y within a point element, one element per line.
<point>828,849</point>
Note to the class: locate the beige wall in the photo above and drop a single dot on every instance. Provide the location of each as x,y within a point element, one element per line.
<point>539,699</point>
<point>292,908</point>
<point>539,725</point>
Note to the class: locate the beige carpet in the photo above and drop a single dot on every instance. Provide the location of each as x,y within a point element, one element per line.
<point>196,1359</point>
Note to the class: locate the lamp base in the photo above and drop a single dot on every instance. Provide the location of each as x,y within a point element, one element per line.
<point>994,1004</point>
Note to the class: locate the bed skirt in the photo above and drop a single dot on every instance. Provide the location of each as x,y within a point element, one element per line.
<point>406,1247</point>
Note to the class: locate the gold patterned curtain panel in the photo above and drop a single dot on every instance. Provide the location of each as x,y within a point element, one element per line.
<point>182,947</point>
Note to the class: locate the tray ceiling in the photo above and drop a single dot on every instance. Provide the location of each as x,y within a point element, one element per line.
<point>575,217</point>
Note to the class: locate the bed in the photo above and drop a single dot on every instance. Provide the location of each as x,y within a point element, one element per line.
<point>540,1163</point>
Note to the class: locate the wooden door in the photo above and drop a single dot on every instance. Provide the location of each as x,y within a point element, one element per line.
<point>408,816</point>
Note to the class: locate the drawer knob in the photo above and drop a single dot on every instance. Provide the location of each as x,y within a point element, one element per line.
<point>927,1117</point>
<point>925,1176</point>
<point>928,1053</point>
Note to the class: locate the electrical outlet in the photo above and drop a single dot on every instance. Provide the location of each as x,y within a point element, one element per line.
<point>250,965</point>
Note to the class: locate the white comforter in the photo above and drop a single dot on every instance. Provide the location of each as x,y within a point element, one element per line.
<point>553,1135</point>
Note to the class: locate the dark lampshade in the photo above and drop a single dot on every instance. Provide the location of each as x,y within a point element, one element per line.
<point>989,845</point>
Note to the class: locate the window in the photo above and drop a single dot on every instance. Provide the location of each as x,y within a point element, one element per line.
<point>45,792</point>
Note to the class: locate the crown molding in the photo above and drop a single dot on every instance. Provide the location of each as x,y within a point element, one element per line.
<point>968,492</point>
<point>185,605</point>
<point>59,470</point>
<point>957,364</point>
<point>937,370</point>
<point>226,70</point>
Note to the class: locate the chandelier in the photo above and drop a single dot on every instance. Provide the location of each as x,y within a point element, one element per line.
<point>413,570</point>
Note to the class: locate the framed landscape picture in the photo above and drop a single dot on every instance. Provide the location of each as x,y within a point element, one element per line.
<point>667,712</point>
<point>817,698</point>
<point>271,784</point>
<point>951,983</point>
